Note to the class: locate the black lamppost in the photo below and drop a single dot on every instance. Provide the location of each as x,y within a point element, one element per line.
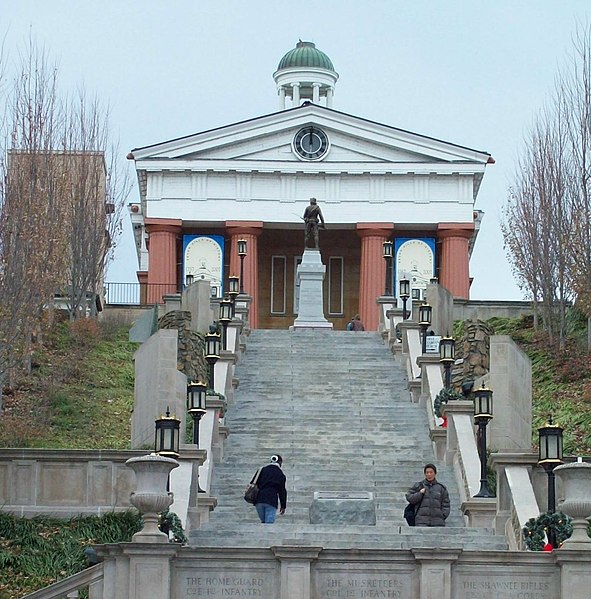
<point>189,280</point>
<point>212,354</point>
<point>233,286</point>
<point>425,312</point>
<point>404,293</point>
<point>388,254</point>
<point>447,351</point>
<point>233,291</point>
<point>225,318</point>
<point>483,412</point>
<point>241,243</point>
<point>550,456</point>
<point>166,439</point>
<point>196,396</point>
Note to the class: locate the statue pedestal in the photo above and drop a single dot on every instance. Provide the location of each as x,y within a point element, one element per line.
<point>310,276</point>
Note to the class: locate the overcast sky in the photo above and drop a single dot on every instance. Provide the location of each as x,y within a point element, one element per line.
<point>465,71</point>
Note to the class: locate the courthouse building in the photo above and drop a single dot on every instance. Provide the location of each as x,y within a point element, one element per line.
<point>253,179</point>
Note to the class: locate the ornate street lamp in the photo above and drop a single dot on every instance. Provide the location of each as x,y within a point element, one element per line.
<point>233,291</point>
<point>425,312</point>
<point>241,243</point>
<point>233,287</point>
<point>404,293</point>
<point>212,353</point>
<point>189,280</point>
<point>196,396</point>
<point>388,255</point>
<point>225,318</point>
<point>550,456</point>
<point>447,350</point>
<point>166,440</point>
<point>483,412</point>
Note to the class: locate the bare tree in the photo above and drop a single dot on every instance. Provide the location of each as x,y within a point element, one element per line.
<point>61,198</point>
<point>552,189</point>
<point>574,92</point>
<point>536,216</point>
<point>94,200</point>
<point>31,256</point>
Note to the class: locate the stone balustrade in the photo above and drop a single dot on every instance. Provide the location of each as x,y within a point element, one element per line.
<point>65,482</point>
<point>516,498</point>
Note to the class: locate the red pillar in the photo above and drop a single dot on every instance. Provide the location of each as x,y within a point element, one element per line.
<point>373,270</point>
<point>454,270</point>
<point>162,259</point>
<point>248,230</point>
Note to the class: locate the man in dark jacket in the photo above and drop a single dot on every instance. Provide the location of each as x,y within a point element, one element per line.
<point>272,491</point>
<point>430,498</point>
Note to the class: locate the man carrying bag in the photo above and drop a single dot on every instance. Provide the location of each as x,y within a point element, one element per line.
<point>272,493</point>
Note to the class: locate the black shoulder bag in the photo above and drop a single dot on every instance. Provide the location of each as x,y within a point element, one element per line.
<point>410,511</point>
<point>252,491</point>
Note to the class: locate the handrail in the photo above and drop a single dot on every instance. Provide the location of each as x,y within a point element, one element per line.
<point>138,294</point>
<point>59,589</point>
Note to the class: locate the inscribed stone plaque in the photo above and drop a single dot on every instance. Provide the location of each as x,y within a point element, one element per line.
<point>216,583</point>
<point>362,585</point>
<point>507,586</point>
<point>343,508</point>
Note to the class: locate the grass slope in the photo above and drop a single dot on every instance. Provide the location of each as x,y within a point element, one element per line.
<point>79,394</point>
<point>561,381</point>
<point>37,552</point>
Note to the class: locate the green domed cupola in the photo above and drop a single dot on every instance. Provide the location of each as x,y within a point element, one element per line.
<point>305,73</point>
<point>305,54</point>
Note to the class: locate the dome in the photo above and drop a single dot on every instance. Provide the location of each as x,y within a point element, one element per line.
<point>305,54</point>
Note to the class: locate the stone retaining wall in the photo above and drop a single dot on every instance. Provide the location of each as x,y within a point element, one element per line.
<point>65,483</point>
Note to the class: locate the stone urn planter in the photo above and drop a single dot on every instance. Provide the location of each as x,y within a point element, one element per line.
<point>576,484</point>
<point>151,495</point>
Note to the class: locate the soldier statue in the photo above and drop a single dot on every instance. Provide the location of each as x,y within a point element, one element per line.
<point>313,219</point>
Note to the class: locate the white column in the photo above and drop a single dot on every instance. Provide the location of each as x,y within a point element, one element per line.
<point>282,98</point>
<point>316,93</point>
<point>295,94</point>
<point>329,94</point>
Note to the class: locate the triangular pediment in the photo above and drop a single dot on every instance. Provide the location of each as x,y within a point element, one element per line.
<point>269,139</point>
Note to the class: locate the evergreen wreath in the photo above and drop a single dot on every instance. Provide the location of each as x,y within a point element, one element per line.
<point>535,530</point>
<point>169,522</point>
<point>443,397</point>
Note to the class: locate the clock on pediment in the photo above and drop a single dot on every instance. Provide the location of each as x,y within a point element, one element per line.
<point>310,143</point>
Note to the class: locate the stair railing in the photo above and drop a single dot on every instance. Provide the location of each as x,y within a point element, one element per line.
<point>516,498</point>
<point>91,578</point>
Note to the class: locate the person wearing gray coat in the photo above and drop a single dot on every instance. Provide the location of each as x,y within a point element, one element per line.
<point>430,498</point>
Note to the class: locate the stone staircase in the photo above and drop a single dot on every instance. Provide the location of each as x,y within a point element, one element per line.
<point>335,405</point>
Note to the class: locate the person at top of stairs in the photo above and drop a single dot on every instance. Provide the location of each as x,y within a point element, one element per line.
<point>355,324</point>
<point>431,499</point>
<point>272,491</point>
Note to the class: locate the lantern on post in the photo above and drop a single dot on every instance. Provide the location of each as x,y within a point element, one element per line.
<point>225,318</point>
<point>241,244</point>
<point>425,312</point>
<point>166,440</point>
<point>212,352</point>
<point>233,287</point>
<point>483,413</point>
<point>447,350</point>
<point>404,293</point>
<point>550,455</point>
<point>388,248</point>
<point>196,396</point>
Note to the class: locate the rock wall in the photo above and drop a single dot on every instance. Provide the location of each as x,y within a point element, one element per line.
<point>472,353</point>
<point>191,345</point>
